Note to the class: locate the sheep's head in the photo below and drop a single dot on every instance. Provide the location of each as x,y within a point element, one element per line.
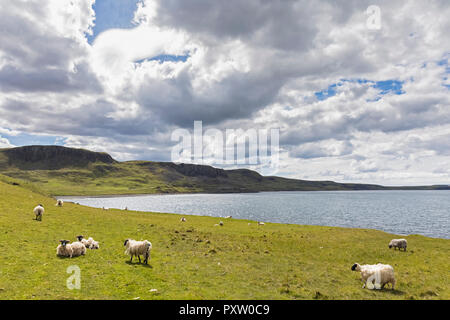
<point>356,267</point>
<point>64,242</point>
<point>95,245</point>
<point>40,205</point>
<point>126,241</point>
<point>390,246</point>
<point>80,237</point>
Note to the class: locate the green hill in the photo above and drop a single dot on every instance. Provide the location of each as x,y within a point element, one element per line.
<point>197,260</point>
<point>66,171</point>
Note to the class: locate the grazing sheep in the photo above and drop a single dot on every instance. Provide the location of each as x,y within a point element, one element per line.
<point>376,276</point>
<point>228,217</point>
<point>398,243</point>
<point>39,211</point>
<point>260,223</point>
<point>183,219</point>
<point>221,223</point>
<point>67,249</point>
<point>138,248</point>
<point>59,203</point>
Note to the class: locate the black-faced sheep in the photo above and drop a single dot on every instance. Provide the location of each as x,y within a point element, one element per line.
<point>398,243</point>
<point>67,249</point>
<point>89,243</point>
<point>59,203</point>
<point>138,248</point>
<point>376,276</point>
<point>39,212</point>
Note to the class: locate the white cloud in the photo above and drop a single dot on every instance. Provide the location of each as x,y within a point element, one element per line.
<point>251,64</point>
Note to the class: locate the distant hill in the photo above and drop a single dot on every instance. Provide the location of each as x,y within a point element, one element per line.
<point>67,171</point>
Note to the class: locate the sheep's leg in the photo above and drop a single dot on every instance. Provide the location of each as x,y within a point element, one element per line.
<point>131,260</point>
<point>139,258</point>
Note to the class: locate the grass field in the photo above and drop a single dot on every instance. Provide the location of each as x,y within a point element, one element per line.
<point>197,260</point>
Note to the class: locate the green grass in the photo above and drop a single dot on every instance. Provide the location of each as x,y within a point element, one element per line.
<point>197,260</point>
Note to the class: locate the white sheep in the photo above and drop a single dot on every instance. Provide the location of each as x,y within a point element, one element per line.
<point>398,243</point>
<point>39,211</point>
<point>67,249</point>
<point>376,276</point>
<point>94,245</point>
<point>89,243</point>
<point>138,248</point>
<point>183,219</point>
<point>228,217</point>
<point>260,223</point>
<point>59,203</point>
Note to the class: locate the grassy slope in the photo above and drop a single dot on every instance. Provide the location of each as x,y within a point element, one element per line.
<point>154,177</point>
<point>67,171</point>
<point>270,262</point>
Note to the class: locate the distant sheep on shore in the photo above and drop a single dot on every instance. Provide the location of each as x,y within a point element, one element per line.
<point>59,203</point>
<point>38,212</point>
<point>398,243</point>
<point>138,248</point>
<point>376,276</point>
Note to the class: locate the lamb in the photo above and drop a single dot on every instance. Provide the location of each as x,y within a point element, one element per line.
<point>59,203</point>
<point>398,243</point>
<point>138,248</point>
<point>39,211</point>
<point>67,249</point>
<point>376,276</point>
<point>89,243</point>
<point>94,245</point>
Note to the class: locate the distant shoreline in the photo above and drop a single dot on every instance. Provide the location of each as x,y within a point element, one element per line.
<point>216,193</point>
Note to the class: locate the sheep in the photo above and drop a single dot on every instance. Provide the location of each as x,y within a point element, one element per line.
<point>78,249</point>
<point>38,212</point>
<point>183,219</point>
<point>64,249</point>
<point>94,245</point>
<point>67,249</point>
<point>376,276</point>
<point>89,243</point>
<point>260,223</point>
<point>59,203</point>
<point>228,217</point>
<point>83,241</point>
<point>398,243</point>
<point>221,223</point>
<point>138,248</point>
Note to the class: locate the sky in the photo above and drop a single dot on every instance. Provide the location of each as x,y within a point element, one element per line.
<point>352,103</point>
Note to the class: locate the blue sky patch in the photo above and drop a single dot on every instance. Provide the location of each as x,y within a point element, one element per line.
<point>25,139</point>
<point>166,57</point>
<point>110,14</point>
<point>384,87</point>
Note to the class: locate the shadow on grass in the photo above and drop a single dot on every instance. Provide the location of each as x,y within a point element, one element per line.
<point>139,263</point>
<point>62,257</point>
